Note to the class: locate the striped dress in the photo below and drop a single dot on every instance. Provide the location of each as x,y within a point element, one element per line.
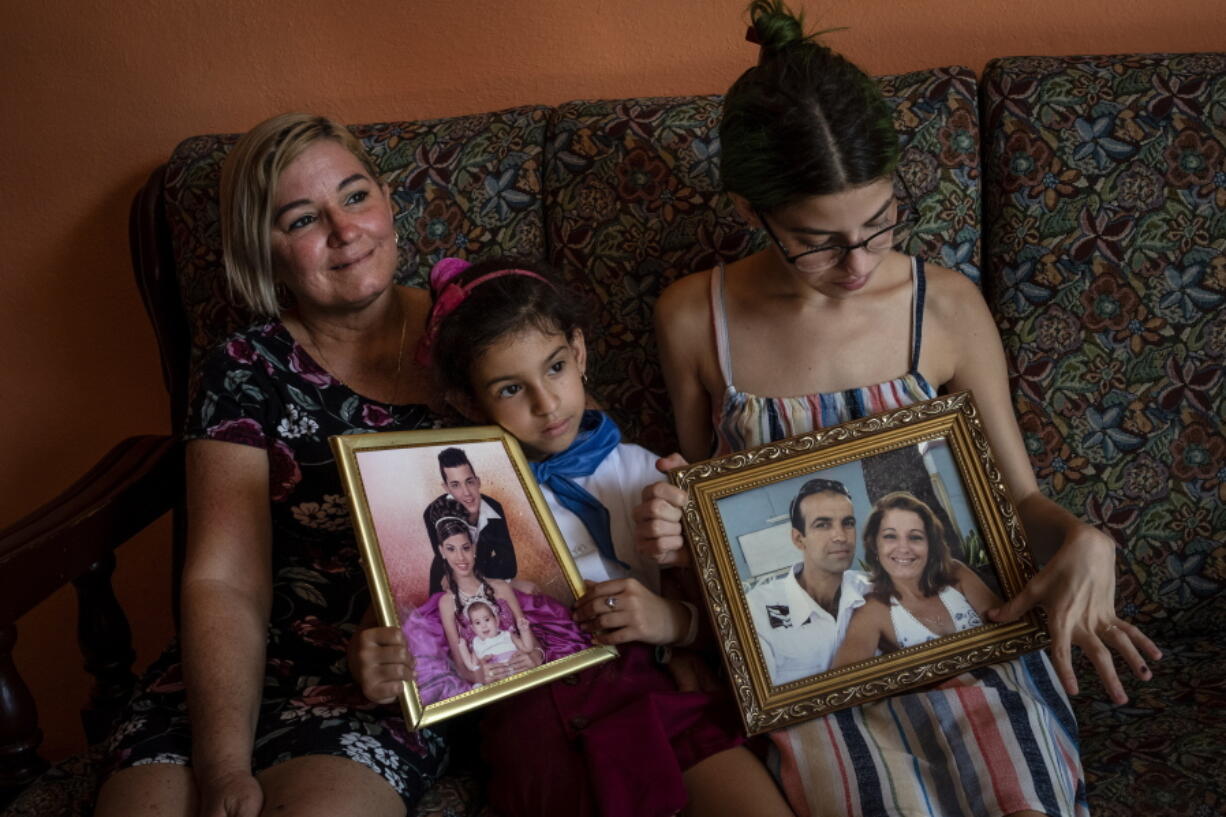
<point>993,741</point>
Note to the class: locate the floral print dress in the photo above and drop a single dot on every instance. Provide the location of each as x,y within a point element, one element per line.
<point>262,389</point>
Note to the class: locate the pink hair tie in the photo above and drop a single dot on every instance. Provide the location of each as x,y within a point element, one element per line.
<point>448,295</point>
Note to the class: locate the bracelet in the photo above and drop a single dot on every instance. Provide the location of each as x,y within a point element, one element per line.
<point>692,633</point>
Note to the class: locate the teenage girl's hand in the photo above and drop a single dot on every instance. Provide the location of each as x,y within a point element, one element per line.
<point>235,794</point>
<point>379,660</point>
<point>636,614</point>
<point>657,519</point>
<point>1077,589</point>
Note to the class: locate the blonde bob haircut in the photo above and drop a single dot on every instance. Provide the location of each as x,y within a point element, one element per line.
<point>249,180</point>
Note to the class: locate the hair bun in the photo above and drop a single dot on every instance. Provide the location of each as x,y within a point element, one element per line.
<point>776,25</point>
<point>445,271</point>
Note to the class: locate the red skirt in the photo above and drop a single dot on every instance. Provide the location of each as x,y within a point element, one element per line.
<point>612,741</point>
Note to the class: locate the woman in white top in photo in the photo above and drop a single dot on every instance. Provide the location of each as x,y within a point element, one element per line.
<point>920,592</point>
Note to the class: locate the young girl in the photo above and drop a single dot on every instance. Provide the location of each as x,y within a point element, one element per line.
<point>439,632</point>
<point>828,324</point>
<point>618,739</point>
<point>490,643</point>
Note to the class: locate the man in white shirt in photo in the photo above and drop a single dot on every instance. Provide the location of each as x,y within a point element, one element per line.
<point>801,617</point>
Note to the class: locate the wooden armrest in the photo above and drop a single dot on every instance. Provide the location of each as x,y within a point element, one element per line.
<point>135,483</point>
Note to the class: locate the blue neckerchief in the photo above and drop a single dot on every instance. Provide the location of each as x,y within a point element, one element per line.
<point>598,436</point>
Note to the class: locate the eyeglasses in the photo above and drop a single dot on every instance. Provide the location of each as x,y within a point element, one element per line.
<point>820,258</point>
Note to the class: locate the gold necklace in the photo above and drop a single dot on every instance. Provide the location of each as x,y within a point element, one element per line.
<point>404,323</point>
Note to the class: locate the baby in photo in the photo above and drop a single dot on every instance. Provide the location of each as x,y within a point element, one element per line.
<point>490,642</point>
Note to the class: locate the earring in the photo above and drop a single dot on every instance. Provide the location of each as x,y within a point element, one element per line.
<point>583,378</point>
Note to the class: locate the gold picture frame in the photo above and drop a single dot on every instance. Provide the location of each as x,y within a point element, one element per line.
<point>396,485</point>
<point>741,523</point>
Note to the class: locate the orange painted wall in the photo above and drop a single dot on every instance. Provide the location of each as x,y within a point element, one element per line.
<point>93,95</point>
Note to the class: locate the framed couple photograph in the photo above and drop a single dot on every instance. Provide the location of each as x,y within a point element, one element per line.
<point>464,556</point>
<point>858,561</point>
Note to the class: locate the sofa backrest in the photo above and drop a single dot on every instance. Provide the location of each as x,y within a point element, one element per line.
<point>1106,261</point>
<point>622,196</point>
<point>633,201</point>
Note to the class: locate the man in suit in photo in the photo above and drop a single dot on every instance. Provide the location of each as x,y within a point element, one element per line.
<point>485,519</point>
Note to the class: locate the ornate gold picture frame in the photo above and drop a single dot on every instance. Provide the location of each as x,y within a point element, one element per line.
<point>435,511</point>
<point>811,615</point>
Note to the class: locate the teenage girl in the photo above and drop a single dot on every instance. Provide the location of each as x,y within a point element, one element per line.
<point>620,739</point>
<point>535,627</point>
<point>465,586</point>
<point>827,324</point>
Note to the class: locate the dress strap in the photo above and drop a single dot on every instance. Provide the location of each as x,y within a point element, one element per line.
<point>917,311</point>
<point>719,324</point>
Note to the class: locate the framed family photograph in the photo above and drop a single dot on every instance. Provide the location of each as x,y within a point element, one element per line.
<point>858,561</point>
<point>462,553</point>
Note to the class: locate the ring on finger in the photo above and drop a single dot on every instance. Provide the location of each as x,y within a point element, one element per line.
<point>611,602</point>
<point>1103,632</point>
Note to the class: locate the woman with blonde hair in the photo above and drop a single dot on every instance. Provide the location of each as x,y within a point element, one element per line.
<point>272,587</point>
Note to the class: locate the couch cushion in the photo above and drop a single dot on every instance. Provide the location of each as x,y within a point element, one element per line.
<point>633,201</point>
<point>467,186</point>
<point>1161,753</point>
<point>1106,180</point>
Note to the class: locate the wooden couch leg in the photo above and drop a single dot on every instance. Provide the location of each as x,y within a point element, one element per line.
<point>106,643</point>
<point>19,732</point>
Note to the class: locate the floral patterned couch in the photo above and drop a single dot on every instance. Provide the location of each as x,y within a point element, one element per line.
<point>1087,195</point>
